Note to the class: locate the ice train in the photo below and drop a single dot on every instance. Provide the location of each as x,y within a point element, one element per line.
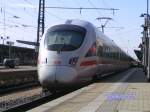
<point>74,52</point>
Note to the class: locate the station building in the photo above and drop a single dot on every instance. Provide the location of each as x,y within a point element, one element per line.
<point>26,56</point>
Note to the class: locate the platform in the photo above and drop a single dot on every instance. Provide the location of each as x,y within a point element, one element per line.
<point>17,68</point>
<point>18,75</point>
<point>124,92</point>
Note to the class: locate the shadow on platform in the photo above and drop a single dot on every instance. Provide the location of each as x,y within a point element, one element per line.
<point>137,76</point>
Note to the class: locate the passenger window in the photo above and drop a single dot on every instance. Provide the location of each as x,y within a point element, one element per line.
<point>100,51</point>
<point>91,51</point>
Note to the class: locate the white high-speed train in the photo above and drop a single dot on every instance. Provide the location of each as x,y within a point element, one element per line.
<point>74,52</point>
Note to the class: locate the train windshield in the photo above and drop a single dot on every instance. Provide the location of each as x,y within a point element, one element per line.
<point>64,38</point>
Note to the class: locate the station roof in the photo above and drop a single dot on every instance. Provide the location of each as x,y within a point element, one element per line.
<point>16,48</point>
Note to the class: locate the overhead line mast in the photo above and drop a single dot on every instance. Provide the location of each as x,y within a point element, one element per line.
<point>41,21</point>
<point>145,48</point>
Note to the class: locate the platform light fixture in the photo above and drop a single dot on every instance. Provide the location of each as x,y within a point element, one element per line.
<point>4,39</point>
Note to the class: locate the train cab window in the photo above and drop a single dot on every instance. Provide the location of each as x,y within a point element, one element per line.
<point>64,38</point>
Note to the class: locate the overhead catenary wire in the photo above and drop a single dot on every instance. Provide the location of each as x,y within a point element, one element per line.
<point>10,7</point>
<point>12,14</point>
<point>31,5</point>
<point>122,39</point>
<point>79,5</point>
<point>87,8</point>
<point>11,23</point>
<point>51,14</point>
<point>93,6</point>
<point>77,8</point>
<point>9,13</point>
<point>28,2</point>
<point>59,18</point>
<point>82,8</point>
<point>105,3</point>
<point>126,32</point>
<point>113,27</point>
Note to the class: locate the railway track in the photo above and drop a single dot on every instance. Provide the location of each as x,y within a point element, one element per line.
<point>20,97</point>
<point>26,103</point>
<point>8,89</point>
<point>27,99</point>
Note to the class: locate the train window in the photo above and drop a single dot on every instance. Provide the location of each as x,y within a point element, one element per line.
<point>91,51</point>
<point>100,51</point>
<point>110,53</point>
<point>64,38</point>
<point>116,55</point>
<point>104,54</point>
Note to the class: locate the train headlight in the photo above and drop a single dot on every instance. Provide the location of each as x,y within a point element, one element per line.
<point>73,61</point>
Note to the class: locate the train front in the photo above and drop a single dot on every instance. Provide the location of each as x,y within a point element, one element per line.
<point>59,55</point>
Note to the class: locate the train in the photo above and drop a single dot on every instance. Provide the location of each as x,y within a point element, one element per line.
<point>74,52</point>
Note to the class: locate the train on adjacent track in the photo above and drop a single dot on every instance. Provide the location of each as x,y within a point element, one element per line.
<point>74,52</point>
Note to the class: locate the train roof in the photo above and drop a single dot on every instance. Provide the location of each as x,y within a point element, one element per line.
<point>88,26</point>
<point>77,22</point>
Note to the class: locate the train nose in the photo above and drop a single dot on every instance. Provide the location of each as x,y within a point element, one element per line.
<point>46,75</point>
<point>65,74</point>
<point>49,75</point>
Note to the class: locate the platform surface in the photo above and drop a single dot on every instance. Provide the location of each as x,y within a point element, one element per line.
<point>123,92</point>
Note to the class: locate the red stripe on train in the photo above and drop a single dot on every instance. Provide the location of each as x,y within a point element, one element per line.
<point>88,63</point>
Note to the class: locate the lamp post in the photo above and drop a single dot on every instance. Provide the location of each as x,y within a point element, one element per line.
<point>10,43</point>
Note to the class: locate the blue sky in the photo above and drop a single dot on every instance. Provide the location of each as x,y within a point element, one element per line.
<point>128,37</point>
